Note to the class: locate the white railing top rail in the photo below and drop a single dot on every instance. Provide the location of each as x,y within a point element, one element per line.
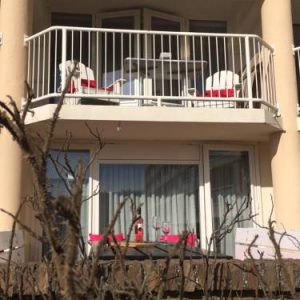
<point>153,32</point>
<point>297,48</point>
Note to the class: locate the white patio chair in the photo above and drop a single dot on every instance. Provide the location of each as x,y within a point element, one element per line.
<point>223,84</point>
<point>83,82</point>
<point>17,246</point>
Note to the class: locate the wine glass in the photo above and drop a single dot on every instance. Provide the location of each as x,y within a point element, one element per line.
<point>156,224</point>
<point>166,229</point>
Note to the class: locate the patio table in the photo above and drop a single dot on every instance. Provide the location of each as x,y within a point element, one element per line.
<point>142,251</point>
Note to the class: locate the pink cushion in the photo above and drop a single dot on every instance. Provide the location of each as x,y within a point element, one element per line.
<point>98,237</point>
<point>174,238</point>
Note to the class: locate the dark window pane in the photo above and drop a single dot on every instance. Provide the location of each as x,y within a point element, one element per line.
<point>230,193</point>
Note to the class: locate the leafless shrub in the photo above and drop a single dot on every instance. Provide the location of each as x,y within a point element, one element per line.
<point>72,278</point>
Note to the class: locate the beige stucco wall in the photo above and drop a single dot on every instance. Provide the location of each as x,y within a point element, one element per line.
<point>241,17</point>
<point>15,22</point>
<point>285,147</point>
<point>265,182</point>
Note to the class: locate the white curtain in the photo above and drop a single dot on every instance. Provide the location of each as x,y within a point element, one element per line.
<point>169,192</point>
<point>230,191</point>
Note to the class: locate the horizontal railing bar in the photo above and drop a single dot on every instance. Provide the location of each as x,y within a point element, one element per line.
<point>165,98</point>
<point>141,97</point>
<point>179,33</point>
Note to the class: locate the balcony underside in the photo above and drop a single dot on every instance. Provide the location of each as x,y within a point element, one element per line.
<point>158,123</point>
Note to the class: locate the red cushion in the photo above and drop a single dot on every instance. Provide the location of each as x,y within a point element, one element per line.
<point>223,93</point>
<point>92,84</point>
<point>88,83</point>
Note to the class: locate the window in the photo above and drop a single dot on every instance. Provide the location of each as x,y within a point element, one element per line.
<point>296,28</point>
<point>56,186</point>
<point>78,45</point>
<point>229,175</point>
<point>209,49</point>
<point>169,192</point>
<point>73,42</point>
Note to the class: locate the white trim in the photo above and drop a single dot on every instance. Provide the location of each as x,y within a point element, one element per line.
<point>95,199</point>
<point>202,201</point>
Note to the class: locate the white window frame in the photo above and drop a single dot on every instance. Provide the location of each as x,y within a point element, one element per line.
<point>255,189</point>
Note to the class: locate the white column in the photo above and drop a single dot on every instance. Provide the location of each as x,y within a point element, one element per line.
<point>285,147</point>
<point>15,16</point>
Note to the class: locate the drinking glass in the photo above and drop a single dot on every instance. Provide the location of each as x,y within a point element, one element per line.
<point>156,224</point>
<point>166,229</point>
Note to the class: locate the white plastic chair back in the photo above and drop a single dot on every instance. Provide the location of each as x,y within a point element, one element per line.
<point>222,80</point>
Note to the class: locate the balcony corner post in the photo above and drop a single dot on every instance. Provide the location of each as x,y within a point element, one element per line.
<point>284,146</point>
<point>15,22</point>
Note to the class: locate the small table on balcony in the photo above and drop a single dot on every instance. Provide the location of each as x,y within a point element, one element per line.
<point>148,69</point>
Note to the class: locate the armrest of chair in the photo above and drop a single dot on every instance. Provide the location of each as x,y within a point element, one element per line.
<point>116,85</point>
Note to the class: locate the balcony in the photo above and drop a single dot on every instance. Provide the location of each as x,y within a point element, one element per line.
<point>142,68</point>
<point>213,78</point>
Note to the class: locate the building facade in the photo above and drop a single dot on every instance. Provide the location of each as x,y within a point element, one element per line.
<point>198,106</point>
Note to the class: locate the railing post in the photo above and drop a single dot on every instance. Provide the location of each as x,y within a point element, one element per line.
<point>63,58</point>
<point>248,71</point>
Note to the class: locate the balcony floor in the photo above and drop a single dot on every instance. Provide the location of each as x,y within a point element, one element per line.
<point>159,123</point>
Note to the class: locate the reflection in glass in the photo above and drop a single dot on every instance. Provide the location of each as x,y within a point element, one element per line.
<point>230,186</point>
<point>57,188</point>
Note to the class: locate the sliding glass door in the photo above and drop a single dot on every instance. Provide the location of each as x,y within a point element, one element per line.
<point>176,193</point>
<point>116,47</point>
<point>228,181</point>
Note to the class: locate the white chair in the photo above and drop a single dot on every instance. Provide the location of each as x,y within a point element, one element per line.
<point>17,246</point>
<point>83,82</point>
<point>223,84</point>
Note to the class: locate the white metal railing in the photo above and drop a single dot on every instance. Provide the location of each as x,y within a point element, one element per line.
<point>136,67</point>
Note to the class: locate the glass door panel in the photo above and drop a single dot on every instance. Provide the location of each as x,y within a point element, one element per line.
<point>115,47</point>
<point>165,82</point>
<point>169,192</point>
<point>230,194</point>
<point>210,49</point>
